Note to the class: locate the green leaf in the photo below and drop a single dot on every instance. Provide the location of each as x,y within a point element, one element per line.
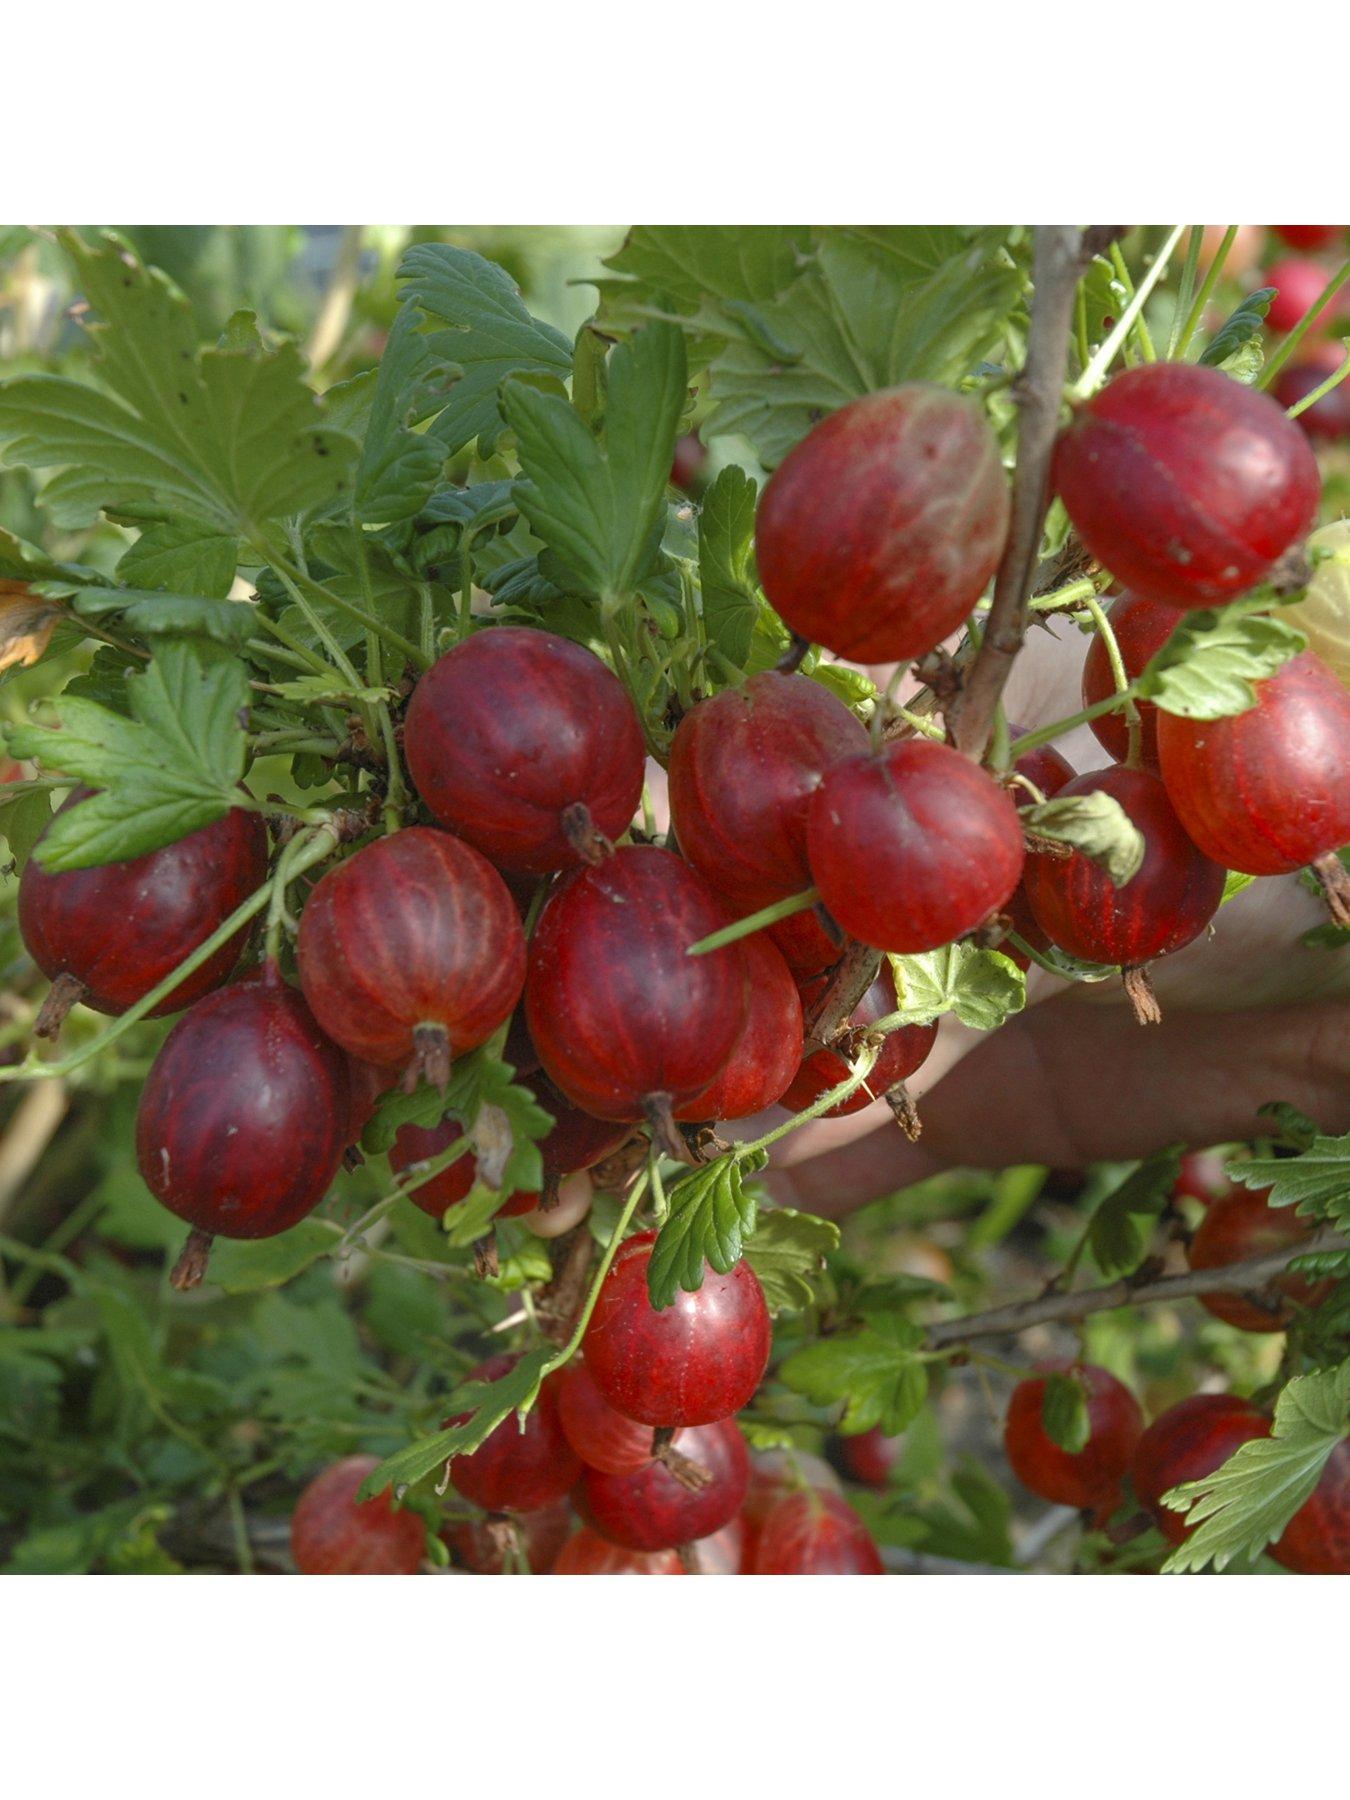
<point>400,466</point>
<point>1232,343</point>
<point>1115,1236</point>
<point>1207,668</point>
<point>1095,824</point>
<point>978,1528</point>
<point>171,768</point>
<point>871,308</point>
<point>153,614</point>
<point>1064,1411</point>
<point>982,987</point>
<point>178,556</point>
<point>710,1214</point>
<point>490,338</point>
<point>875,1372</point>
<point>247,1267</point>
<point>328,690</point>
<point>688,264</point>
<point>602,510</point>
<point>726,554</point>
<point>787,1251</point>
<point>229,438</point>
<point>1317,1182</point>
<point>24,814</point>
<point>1246,1504</point>
<point>487,1404</point>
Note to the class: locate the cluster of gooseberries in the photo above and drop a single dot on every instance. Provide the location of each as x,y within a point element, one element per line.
<point>875,539</point>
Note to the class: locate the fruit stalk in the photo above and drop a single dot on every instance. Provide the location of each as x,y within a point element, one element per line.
<point>1239,1278</point>
<point>1059,255</point>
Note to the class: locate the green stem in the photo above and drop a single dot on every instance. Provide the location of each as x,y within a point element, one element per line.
<point>292,577</point>
<point>859,1071</point>
<point>755,921</point>
<point>621,1225</point>
<point>1201,300</point>
<point>1186,291</point>
<point>1092,377</point>
<point>1333,380</point>
<point>395,792</point>
<point>1305,324</point>
<point>1123,276</point>
<point>1134,724</point>
<point>1046,734</point>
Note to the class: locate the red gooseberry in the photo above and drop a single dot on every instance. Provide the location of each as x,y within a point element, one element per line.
<point>769,1049</point>
<point>1163,907</point>
<point>814,1533</point>
<point>1316,1540</point>
<point>603,1438</point>
<point>697,1360</point>
<point>1267,791</point>
<point>687,464</point>
<point>869,1456</point>
<point>1310,237</point>
<point>652,1509</point>
<point>773,1475</point>
<point>1185,484</point>
<point>1048,772</point>
<point>412,948</point>
<point>587,1553</point>
<point>625,1022</point>
<point>527,747</point>
<point>913,846</point>
<point>1238,1227</point>
<point>1187,1442</point>
<point>244,1114</point>
<point>334,1533</point>
<point>743,767</point>
<point>809,941</point>
<point>877,533</point>
<point>1299,284</point>
<point>517,1468</point>
<point>1203,1177</point>
<point>1141,629</point>
<point>108,935</point>
<point>903,1051</point>
<point>1327,419</point>
<point>1089,1477</point>
<point>499,1547</point>
<point>722,1553</point>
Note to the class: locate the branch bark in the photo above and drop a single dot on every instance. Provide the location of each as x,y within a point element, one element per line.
<point>1058,261</point>
<point>853,975</point>
<point>1238,1278</point>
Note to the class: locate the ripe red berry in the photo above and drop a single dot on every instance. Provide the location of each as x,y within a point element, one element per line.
<point>870,1456</point>
<point>1327,419</point>
<point>332,1533</point>
<point>1048,772</point>
<point>1187,1442</point>
<point>1089,1477</point>
<point>1165,906</point>
<point>723,1553</point>
<point>119,929</point>
<point>902,1052</point>
<point>686,468</point>
<point>1141,627</point>
<point>485,1547</point>
<point>412,948</point>
<point>527,747</point>
<point>1202,1177</point>
<point>625,1022</point>
<point>651,1509</point>
<point>1299,284</point>
<point>806,945</point>
<point>1268,790</point>
<point>1238,1227</point>
<point>769,1048</point>
<point>1309,237</point>
<point>743,767</point>
<point>587,1553</point>
<point>1186,485</point>
<point>774,1474</point>
<point>912,847</point>
<point>244,1114</point>
<point>576,1142</point>
<point>878,532</point>
<point>698,1360</point>
<point>514,1469</point>
<point>1316,1540</point>
<point>602,1438</point>
<point>813,1533</point>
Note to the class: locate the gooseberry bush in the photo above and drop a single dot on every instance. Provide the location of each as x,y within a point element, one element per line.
<point>473,798</point>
